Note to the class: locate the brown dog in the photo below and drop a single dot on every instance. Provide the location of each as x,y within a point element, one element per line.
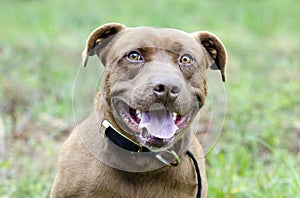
<point>139,141</point>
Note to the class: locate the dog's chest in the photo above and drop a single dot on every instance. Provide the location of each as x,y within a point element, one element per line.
<point>166,183</point>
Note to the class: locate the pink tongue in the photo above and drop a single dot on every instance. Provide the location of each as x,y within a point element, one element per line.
<point>158,123</point>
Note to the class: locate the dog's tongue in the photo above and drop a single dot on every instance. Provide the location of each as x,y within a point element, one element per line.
<point>159,123</point>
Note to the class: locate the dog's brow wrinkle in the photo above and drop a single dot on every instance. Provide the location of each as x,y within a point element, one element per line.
<point>177,47</point>
<point>147,52</point>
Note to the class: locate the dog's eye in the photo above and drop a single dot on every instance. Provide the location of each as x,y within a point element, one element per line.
<point>134,56</point>
<point>185,60</point>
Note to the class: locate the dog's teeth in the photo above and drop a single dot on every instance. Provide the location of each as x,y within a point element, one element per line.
<point>174,116</point>
<point>126,119</point>
<point>138,114</point>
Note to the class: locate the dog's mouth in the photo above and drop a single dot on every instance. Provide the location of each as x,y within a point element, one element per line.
<point>155,127</point>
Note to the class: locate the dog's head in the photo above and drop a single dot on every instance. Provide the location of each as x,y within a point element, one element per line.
<point>154,81</point>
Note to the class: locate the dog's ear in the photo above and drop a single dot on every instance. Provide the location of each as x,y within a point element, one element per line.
<point>216,52</point>
<point>101,35</point>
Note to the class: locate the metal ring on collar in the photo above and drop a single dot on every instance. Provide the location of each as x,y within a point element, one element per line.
<point>169,163</point>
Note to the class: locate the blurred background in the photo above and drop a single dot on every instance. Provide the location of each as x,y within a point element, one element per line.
<point>258,152</point>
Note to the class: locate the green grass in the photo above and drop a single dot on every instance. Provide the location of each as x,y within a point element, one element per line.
<point>257,154</point>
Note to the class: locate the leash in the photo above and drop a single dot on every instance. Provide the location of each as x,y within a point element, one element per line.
<point>124,142</point>
<point>197,172</point>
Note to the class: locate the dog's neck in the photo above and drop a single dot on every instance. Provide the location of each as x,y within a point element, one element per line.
<point>107,151</point>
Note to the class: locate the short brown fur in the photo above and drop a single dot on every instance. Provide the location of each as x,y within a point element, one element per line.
<point>80,173</point>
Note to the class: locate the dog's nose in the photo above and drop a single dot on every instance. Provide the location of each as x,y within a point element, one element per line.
<point>167,91</point>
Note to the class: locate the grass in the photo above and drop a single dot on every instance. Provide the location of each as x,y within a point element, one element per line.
<point>257,154</point>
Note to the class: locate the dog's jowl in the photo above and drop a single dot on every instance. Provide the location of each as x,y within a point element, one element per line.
<point>139,140</point>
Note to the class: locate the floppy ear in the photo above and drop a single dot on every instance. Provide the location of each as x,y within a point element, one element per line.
<point>216,56</point>
<point>99,37</point>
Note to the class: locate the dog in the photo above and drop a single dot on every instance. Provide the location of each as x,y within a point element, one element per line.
<point>139,140</point>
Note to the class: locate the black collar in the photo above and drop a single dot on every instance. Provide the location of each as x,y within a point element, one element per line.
<point>122,141</point>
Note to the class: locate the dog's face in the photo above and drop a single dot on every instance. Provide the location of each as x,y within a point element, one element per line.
<point>154,82</point>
